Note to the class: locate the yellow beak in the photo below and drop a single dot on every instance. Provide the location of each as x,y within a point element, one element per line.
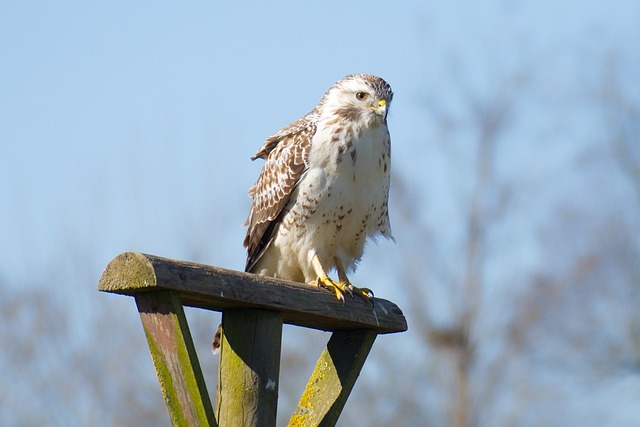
<point>380,109</point>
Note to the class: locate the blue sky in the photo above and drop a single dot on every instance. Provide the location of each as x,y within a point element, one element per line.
<point>129,125</point>
<point>121,121</point>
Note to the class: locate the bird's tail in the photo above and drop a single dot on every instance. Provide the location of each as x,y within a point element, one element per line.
<point>217,339</point>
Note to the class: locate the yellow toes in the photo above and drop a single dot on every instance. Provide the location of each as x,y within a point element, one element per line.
<point>334,287</point>
<point>340,289</point>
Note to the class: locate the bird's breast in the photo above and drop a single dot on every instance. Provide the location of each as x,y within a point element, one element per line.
<point>348,177</point>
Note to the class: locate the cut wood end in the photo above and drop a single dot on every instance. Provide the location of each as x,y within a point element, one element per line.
<point>128,273</point>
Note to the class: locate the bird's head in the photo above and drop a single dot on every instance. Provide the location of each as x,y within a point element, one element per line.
<point>359,97</point>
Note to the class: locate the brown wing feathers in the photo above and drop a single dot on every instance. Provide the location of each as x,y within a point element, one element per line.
<point>285,155</point>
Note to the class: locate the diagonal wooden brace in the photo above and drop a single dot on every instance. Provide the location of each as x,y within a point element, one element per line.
<point>174,357</point>
<point>333,378</point>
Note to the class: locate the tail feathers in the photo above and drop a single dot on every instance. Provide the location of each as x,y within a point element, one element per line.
<point>217,339</point>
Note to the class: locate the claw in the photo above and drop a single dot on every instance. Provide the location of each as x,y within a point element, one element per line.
<point>337,288</point>
<point>364,293</point>
<point>341,287</point>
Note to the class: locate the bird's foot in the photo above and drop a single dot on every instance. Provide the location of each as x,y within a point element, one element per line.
<point>340,289</point>
<point>364,293</point>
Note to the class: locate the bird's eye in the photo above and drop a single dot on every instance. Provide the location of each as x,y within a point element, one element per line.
<point>361,96</point>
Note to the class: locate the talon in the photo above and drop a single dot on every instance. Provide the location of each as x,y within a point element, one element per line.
<point>348,288</point>
<point>334,287</point>
<point>364,293</point>
<point>368,292</point>
<point>341,287</point>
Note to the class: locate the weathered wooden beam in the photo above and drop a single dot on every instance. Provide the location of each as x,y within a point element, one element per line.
<point>219,289</point>
<point>175,359</point>
<point>249,369</point>
<point>333,379</point>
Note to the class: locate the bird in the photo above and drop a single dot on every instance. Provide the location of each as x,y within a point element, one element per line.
<point>323,190</point>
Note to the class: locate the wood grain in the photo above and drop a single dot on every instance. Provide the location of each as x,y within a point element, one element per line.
<point>249,369</point>
<point>175,359</point>
<point>215,288</point>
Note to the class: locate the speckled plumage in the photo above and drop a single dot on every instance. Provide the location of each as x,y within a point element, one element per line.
<point>323,189</point>
<point>324,186</point>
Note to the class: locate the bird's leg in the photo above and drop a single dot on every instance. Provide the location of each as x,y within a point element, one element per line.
<point>323,280</point>
<point>364,293</point>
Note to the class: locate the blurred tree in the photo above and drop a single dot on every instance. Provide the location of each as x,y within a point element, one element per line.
<point>504,342</point>
<point>62,370</point>
<point>523,310</point>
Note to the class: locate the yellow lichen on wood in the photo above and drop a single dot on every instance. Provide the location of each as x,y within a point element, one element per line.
<point>303,413</point>
<point>332,379</point>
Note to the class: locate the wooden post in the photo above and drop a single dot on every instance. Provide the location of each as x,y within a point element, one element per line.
<point>333,379</point>
<point>175,359</point>
<point>249,369</point>
<point>254,309</point>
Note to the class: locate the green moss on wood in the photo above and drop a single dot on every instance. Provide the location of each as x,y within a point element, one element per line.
<point>234,367</point>
<point>196,389</point>
<point>166,384</point>
<point>175,359</point>
<point>127,273</point>
<point>249,363</point>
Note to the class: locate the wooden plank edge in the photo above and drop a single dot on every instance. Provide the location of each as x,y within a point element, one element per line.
<point>214,288</point>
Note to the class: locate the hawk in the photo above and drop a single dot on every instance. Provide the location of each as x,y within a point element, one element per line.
<point>324,188</point>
